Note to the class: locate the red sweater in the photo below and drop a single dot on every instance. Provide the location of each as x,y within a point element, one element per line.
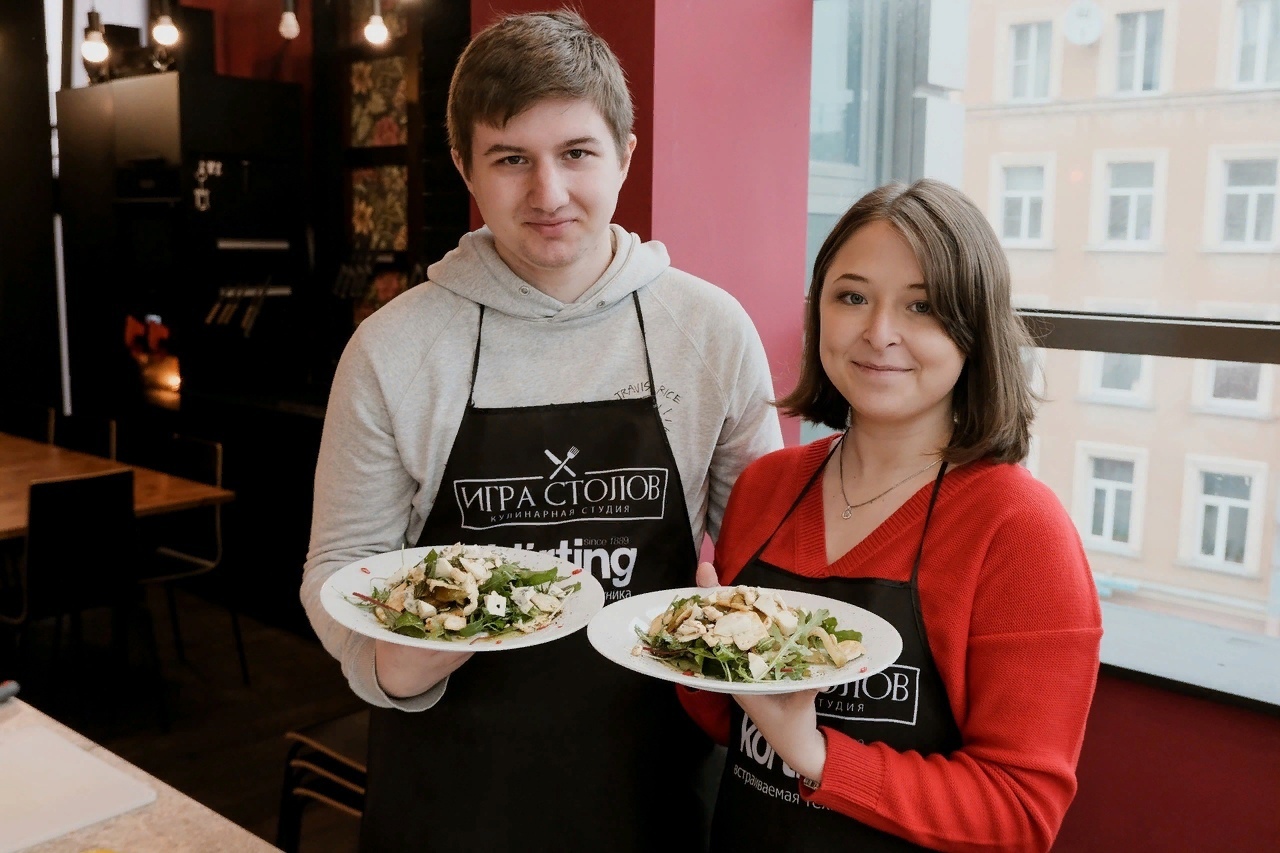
<point>1013,624</point>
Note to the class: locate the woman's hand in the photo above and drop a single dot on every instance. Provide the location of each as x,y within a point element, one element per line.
<point>789,723</point>
<point>404,671</point>
<point>707,575</point>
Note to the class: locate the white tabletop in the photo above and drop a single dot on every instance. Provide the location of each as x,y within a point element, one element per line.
<point>174,823</point>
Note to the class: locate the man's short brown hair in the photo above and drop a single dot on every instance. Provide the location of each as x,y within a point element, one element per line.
<point>966,277</point>
<point>524,59</point>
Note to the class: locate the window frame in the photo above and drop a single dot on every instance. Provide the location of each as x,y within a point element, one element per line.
<point>1082,496</point>
<point>1162,71</point>
<point>1192,518</point>
<point>1216,198</point>
<point>1103,160</point>
<point>1092,364</point>
<point>1204,375</point>
<point>1047,161</point>
<point>1265,46</point>
<point>1049,50</point>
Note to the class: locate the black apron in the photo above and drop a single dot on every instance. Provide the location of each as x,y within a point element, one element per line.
<point>905,706</point>
<point>551,747</point>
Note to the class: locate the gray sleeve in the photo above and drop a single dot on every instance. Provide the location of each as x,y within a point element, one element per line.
<point>751,427</point>
<point>361,507</point>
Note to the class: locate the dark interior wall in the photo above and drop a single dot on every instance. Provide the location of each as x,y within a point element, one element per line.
<point>1163,772</point>
<point>28,302</point>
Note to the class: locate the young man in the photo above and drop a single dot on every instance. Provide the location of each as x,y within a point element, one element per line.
<point>546,336</point>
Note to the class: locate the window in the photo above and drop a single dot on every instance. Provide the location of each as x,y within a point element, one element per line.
<point>1222,514</point>
<point>1023,206</point>
<point>1233,388</point>
<point>1258,43</point>
<point>1116,378</point>
<point>1110,482</point>
<point>1029,61</point>
<point>1138,55</point>
<point>1249,202</point>
<point>1130,196</point>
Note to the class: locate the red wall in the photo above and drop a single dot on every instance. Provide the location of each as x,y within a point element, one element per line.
<point>249,43</point>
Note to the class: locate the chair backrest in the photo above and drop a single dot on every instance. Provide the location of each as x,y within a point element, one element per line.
<point>27,419</point>
<point>197,532</point>
<point>81,549</point>
<point>94,434</point>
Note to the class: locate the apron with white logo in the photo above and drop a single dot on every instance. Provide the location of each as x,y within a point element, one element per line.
<point>905,707</point>
<point>551,747</point>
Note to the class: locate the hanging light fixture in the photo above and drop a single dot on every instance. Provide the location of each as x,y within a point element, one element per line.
<point>375,32</point>
<point>289,22</point>
<point>94,47</point>
<point>165,32</point>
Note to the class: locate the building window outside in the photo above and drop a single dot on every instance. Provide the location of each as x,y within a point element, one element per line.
<point>1022,204</point>
<point>1130,199</point>
<point>1258,43</point>
<point>1141,36</point>
<point>1239,389</point>
<point>1029,65</point>
<point>1109,497</point>
<point>1223,514</point>
<point>1249,202</point>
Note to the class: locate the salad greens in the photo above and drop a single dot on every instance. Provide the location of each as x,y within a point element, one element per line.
<point>746,634</point>
<point>465,591</point>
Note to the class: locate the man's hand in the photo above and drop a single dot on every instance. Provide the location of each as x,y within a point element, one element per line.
<point>404,671</point>
<point>790,724</point>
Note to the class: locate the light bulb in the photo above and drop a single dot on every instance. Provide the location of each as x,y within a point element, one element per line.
<point>94,47</point>
<point>289,26</point>
<point>164,32</point>
<point>375,31</point>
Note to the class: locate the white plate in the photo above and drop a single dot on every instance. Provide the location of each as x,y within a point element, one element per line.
<point>613,633</point>
<point>361,575</point>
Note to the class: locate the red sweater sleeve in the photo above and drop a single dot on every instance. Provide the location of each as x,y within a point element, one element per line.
<point>1019,656</point>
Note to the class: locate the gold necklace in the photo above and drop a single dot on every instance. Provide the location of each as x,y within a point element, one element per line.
<point>850,507</point>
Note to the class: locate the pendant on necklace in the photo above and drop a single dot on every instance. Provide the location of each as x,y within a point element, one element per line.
<point>848,511</point>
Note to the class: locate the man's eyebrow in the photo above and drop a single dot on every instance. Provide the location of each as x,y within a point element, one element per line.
<point>504,148</point>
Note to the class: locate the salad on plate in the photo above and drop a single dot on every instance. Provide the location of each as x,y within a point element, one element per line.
<point>461,592</point>
<point>746,634</point>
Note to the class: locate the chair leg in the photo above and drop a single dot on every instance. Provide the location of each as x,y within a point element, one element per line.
<point>173,622</point>
<point>153,649</point>
<point>235,630</point>
<point>289,816</point>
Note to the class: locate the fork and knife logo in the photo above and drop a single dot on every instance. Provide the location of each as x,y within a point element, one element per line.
<point>562,464</point>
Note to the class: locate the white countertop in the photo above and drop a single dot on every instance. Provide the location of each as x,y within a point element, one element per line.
<point>174,823</point>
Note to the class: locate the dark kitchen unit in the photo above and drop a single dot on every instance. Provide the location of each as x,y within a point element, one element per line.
<point>185,210</point>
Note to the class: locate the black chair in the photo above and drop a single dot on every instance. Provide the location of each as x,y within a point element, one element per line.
<point>27,419</point>
<point>79,554</point>
<point>325,765</point>
<point>93,434</point>
<point>187,544</point>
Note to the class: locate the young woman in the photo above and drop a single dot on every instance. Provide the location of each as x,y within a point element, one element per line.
<point>916,510</point>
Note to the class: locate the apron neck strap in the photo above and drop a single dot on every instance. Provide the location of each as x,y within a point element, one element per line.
<point>933,499</point>
<point>644,343</point>
<point>804,491</point>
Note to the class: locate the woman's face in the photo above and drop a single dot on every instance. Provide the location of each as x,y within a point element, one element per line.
<point>881,344</point>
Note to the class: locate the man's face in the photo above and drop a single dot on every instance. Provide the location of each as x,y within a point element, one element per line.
<point>547,185</point>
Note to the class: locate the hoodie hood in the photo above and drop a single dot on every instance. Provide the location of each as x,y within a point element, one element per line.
<point>475,272</point>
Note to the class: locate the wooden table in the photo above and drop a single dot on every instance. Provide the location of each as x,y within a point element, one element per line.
<point>174,823</point>
<point>23,460</point>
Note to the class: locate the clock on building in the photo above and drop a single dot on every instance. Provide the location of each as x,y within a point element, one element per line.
<point>1083,23</point>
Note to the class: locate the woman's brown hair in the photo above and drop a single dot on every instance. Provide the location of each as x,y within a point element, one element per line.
<point>966,276</point>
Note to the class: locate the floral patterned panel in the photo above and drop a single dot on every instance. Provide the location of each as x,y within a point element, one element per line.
<point>378,113</point>
<point>384,287</point>
<point>393,15</point>
<point>379,209</point>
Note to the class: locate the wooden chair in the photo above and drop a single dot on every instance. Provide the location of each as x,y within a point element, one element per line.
<point>325,765</point>
<point>93,434</point>
<point>27,419</point>
<point>187,544</point>
<point>79,554</point>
